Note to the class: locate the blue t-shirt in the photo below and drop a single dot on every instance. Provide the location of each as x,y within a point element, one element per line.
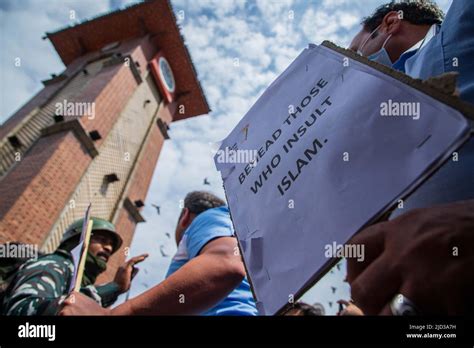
<point>209,225</point>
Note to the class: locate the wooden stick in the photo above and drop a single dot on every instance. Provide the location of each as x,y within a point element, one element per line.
<point>82,263</point>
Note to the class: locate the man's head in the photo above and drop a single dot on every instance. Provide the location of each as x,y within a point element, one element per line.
<point>195,203</point>
<point>104,239</point>
<point>101,245</point>
<point>396,26</point>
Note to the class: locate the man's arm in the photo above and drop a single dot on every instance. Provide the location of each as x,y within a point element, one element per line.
<point>108,293</point>
<point>200,284</point>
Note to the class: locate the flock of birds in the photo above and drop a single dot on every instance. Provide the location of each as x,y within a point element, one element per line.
<point>168,235</point>
<point>157,207</point>
<point>333,288</point>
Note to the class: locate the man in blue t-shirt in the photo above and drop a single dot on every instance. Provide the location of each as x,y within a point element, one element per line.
<point>206,276</point>
<point>204,225</point>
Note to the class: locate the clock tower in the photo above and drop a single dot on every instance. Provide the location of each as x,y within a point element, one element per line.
<point>95,131</point>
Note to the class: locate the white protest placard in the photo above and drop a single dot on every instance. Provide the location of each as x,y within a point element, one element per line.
<point>336,144</point>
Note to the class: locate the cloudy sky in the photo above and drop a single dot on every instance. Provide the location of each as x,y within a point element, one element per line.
<point>239,47</point>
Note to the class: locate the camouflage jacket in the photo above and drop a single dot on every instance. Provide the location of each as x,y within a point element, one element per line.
<point>41,285</point>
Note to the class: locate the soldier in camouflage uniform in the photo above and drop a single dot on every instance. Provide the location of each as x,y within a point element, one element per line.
<point>41,285</point>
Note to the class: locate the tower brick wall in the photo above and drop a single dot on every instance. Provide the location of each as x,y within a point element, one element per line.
<point>137,190</point>
<point>42,181</point>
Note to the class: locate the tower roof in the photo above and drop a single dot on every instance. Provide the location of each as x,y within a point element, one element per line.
<point>155,18</point>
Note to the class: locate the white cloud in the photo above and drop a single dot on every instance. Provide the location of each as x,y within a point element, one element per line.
<point>274,11</point>
<point>218,8</point>
<point>348,20</point>
<point>321,24</point>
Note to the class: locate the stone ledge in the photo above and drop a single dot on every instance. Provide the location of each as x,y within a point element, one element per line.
<point>133,210</point>
<point>79,131</point>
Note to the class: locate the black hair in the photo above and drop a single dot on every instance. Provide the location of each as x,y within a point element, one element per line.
<point>417,12</point>
<point>200,201</point>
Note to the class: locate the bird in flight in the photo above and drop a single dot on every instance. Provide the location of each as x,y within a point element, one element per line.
<point>206,182</point>
<point>163,253</point>
<point>157,207</point>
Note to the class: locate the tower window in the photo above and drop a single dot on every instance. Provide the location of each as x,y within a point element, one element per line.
<point>15,141</point>
<point>110,178</point>
<point>95,135</point>
<point>163,128</point>
<point>58,118</point>
<point>139,203</point>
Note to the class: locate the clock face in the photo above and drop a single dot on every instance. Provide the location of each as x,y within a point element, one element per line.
<point>166,74</point>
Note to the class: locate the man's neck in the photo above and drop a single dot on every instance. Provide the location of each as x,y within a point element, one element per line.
<point>411,35</point>
<point>415,33</point>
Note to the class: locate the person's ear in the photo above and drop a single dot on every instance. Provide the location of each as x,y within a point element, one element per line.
<point>185,218</point>
<point>391,22</point>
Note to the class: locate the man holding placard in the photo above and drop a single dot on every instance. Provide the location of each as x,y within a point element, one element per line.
<point>419,263</point>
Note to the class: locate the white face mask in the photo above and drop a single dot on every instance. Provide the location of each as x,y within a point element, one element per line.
<point>381,56</point>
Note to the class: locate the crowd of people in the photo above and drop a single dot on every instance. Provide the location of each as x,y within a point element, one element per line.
<point>417,261</point>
